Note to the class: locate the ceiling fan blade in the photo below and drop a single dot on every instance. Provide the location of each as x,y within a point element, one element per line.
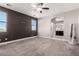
<point>46,8</point>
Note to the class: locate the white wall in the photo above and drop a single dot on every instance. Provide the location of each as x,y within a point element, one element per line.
<point>69,18</point>
<point>78,29</point>
<point>44,27</point>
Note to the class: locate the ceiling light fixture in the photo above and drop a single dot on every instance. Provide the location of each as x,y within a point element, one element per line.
<point>39,7</point>
<point>33,5</point>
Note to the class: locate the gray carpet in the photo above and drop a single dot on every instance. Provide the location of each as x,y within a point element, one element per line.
<point>39,47</point>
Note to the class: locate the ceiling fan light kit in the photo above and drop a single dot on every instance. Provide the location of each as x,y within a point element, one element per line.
<point>39,7</point>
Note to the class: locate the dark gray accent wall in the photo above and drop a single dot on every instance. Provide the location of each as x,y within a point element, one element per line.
<point>18,25</point>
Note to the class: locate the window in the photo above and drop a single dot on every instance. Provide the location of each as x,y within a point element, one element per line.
<point>33,25</point>
<point>3,21</point>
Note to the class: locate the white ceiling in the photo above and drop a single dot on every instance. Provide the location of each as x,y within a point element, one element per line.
<point>55,8</point>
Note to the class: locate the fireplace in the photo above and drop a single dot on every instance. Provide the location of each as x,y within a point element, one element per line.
<point>59,33</point>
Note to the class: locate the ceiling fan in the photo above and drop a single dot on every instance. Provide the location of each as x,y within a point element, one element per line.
<point>40,7</point>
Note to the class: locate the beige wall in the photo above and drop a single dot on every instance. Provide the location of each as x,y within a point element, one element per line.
<point>44,27</point>
<point>69,18</point>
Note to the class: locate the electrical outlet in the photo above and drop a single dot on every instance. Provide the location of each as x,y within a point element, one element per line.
<point>5,38</point>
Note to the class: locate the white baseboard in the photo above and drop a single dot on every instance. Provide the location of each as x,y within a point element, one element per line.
<point>3,43</point>
<point>54,38</point>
